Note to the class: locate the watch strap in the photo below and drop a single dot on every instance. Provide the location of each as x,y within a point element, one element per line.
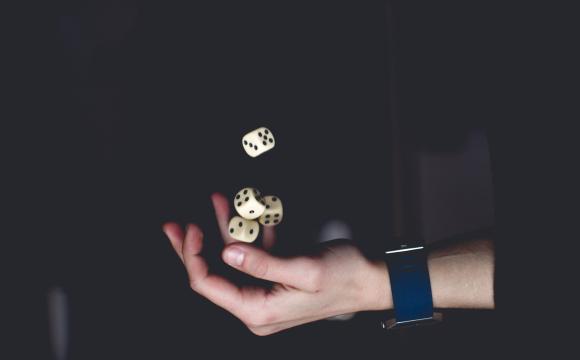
<point>410,287</point>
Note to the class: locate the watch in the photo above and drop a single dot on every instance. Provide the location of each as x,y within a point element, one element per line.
<point>410,288</point>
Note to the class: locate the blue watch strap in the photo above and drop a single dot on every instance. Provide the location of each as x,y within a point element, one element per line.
<point>410,287</point>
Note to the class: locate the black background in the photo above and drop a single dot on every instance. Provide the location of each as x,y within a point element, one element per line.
<point>131,115</point>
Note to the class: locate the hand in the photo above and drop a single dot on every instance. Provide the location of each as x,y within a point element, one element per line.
<point>335,279</point>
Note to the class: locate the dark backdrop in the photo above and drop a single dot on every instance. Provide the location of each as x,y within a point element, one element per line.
<point>137,118</point>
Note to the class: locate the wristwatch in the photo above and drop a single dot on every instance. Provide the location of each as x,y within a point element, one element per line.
<point>410,288</point>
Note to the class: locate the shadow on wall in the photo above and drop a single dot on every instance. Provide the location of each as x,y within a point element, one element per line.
<point>455,189</point>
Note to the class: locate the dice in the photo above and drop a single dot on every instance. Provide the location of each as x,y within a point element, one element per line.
<point>258,141</point>
<point>243,230</point>
<point>249,204</point>
<point>273,213</point>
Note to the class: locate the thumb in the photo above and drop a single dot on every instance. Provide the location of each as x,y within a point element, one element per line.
<point>300,272</point>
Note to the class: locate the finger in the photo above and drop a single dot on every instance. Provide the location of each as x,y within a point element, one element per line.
<point>301,272</point>
<point>194,238</point>
<point>222,214</point>
<point>268,237</point>
<point>215,288</point>
<point>175,234</point>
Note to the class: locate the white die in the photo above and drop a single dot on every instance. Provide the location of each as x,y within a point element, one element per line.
<point>274,211</point>
<point>249,203</point>
<point>243,230</point>
<point>258,141</point>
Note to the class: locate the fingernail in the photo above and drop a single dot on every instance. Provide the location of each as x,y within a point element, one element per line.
<point>234,256</point>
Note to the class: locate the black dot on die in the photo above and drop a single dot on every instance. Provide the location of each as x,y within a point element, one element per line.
<point>267,222</point>
<point>245,142</point>
<point>250,144</point>
<point>245,191</point>
<point>238,197</point>
<point>246,199</point>
<point>255,147</point>
<point>267,132</point>
<point>274,199</point>
<point>251,211</point>
<point>231,230</point>
<point>240,224</point>
<point>251,231</point>
<point>267,216</point>
<point>240,203</point>
<point>267,206</point>
<point>260,134</point>
<point>271,140</point>
<point>265,143</point>
<point>277,215</point>
<point>275,221</point>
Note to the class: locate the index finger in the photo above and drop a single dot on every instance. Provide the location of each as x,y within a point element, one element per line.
<point>268,237</point>
<point>222,214</point>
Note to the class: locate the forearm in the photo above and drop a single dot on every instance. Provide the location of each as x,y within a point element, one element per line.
<point>461,277</point>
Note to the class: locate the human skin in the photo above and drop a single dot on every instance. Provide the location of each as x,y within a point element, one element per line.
<point>334,278</point>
